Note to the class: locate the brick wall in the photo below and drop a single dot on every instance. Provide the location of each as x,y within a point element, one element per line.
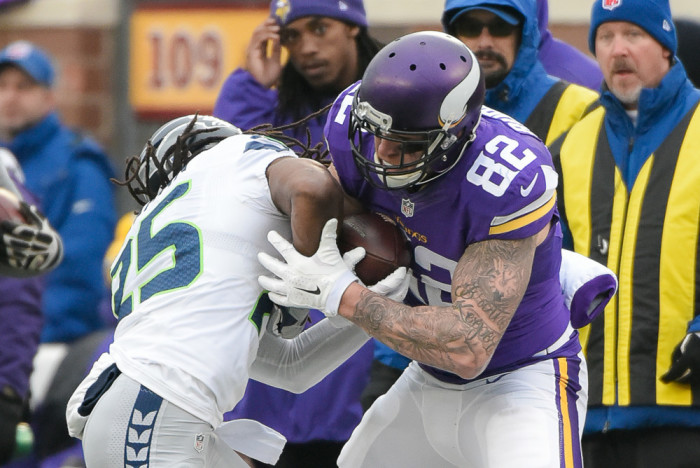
<point>83,57</point>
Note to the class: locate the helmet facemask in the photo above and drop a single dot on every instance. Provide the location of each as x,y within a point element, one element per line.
<point>423,91</point>
<point>434,145</point>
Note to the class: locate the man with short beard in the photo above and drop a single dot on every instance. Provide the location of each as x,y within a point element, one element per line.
<point>504,36</point>
<point>629,194</point>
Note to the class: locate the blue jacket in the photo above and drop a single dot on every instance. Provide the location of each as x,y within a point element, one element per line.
<point>660,111</point>
<point>70,174</point>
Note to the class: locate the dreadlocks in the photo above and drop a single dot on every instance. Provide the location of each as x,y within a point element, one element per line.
<point>190,143</point>
<point>317,152</point>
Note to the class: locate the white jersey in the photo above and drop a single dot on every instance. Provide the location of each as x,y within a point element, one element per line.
<point>185,283</point>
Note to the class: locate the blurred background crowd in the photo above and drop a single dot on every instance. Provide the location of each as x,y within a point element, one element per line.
<point>110,72</point>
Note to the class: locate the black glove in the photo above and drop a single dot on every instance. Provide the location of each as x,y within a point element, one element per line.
<point>31,248</point>
<point>287,322</point>
<point>11,409</point>
<point>685,361</point>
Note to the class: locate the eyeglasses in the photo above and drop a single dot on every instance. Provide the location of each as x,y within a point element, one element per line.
<point>472,27</point>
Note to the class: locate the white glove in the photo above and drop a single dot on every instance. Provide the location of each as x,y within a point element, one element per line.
<point>31,248</point>
<point>395,286</point>
<point>316,282</point>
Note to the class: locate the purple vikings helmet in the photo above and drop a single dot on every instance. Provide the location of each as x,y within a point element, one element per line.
<point>424,90</point>
<point>166,136</point>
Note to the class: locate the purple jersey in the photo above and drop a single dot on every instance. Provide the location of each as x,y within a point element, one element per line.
<point>503,187</point>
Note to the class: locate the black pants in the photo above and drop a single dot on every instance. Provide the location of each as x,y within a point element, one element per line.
<point>11,412</point>
<point>381,378</point>
<point>664,447</point>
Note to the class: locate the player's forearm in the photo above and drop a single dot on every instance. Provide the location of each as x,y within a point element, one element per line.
<point>305,190</point>
<point>488,285</point>
<point>438,336</point>
<point>297,365</point>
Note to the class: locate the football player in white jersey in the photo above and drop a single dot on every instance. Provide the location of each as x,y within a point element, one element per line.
<point>192,317</point>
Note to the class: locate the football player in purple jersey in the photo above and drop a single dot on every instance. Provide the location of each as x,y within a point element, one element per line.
<point>497,378</point>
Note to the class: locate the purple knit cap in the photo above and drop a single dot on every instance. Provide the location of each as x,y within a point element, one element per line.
<point>351,11</point>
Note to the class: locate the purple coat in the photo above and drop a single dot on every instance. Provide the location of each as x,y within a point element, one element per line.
<point>330,410</point>
<point>563,60</point>
<point>20,326</point>
<point>246,103</point>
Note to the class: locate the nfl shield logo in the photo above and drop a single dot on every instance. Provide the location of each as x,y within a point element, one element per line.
<point>199,442</point>
<point>611,4</point>
<point>407,207</point>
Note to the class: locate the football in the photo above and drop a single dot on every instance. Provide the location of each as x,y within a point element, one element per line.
<point>9,207</point>
<point>386,246</point>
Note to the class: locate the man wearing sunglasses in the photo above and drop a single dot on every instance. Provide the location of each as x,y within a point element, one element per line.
<point>504,36</point>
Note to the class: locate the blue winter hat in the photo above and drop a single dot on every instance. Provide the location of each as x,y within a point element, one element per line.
<point>351,11</point>
<point>507,14</point>
<point>654,16</point>
<point>32,60</point>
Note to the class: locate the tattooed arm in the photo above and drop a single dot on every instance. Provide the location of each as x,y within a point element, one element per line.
<point>488,284</point>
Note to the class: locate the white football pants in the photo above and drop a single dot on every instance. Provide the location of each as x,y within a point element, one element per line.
<point>133,427</point>
<point>531,417</point>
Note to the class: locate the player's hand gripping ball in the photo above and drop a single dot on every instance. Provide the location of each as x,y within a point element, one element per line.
<point>384,242</point>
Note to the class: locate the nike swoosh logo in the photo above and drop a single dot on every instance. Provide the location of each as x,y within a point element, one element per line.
<point>526,191</point>
<point>315,292</point>
<point>490,380</point>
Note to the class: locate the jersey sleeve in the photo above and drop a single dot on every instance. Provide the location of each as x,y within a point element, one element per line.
<point>513,185</point>
<point>255,154</point>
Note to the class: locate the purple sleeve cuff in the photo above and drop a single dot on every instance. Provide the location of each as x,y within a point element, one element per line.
<point>591,298</point>
<point>244,102</point>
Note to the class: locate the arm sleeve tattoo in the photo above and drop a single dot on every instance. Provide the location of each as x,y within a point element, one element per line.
<point>488,284</point>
